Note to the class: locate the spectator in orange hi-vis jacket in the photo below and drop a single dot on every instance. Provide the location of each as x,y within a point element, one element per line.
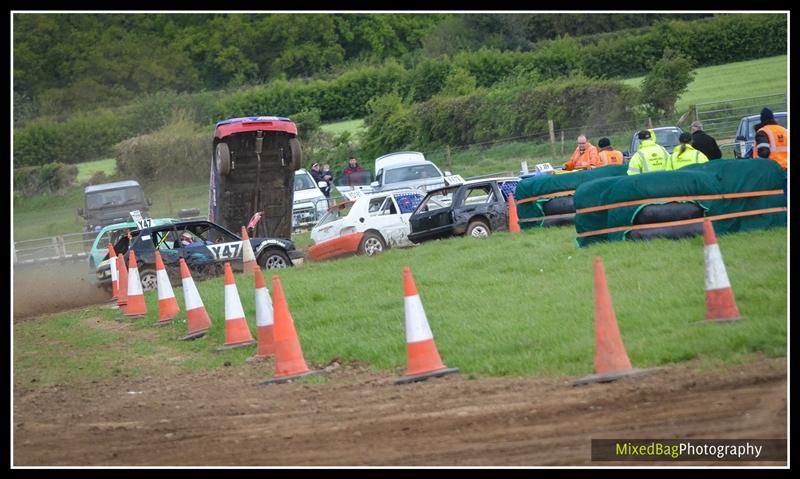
<point>608,154</point>
<point>585,156</point>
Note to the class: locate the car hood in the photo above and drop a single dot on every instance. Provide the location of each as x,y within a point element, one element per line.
<point>423,185</point>
<point>307,195</point>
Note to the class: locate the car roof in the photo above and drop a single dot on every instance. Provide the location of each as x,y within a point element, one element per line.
<point>132,224</point>
<point>758,116</point>
<point>476,182</point>
<point>110,186</point>
<point>399,158</point>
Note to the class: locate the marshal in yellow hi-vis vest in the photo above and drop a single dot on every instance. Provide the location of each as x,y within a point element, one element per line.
<point>649,157</point>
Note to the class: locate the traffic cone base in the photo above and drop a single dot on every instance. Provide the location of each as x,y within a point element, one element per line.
<point>610,377</point>
<point>194,335</point>
<point>720,306</point>
<point>136,306</point>
<point>226,347</point>
<point>162,323</point>
<point>412,378</point>
<point>290,378</point>
<point>266,342</point>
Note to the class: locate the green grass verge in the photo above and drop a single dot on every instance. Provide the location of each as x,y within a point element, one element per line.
<point>353,126</point>
<point>89,168</point>
<point>733,80</point>
<point>518,305</point>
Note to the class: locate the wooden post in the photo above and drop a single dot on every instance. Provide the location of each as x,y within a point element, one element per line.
<point>649,123</point>
<point>552,138</point>
<point>562,142</point>
<point>449,159</point>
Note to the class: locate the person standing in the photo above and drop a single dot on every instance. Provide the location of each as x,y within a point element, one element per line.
<point>352,166</point>
<point>705,143</point>
<point>327,175</point>
<point>772,139</point>
<point>686,154</point>
<point>649,156</point>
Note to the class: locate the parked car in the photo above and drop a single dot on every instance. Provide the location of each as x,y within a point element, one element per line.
<point>110,203</point>
<point>407,169</point>
<point>746,133</point>
<point>666,136</point>
<point>475,208</point>
<point>211,246</point>
<point>310,203</point>
<point>367,225</point>
<point>110,234</point>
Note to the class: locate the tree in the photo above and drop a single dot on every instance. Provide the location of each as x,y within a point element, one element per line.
<point>668,79</point>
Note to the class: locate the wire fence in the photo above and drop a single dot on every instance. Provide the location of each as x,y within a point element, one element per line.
<point>67,247</point>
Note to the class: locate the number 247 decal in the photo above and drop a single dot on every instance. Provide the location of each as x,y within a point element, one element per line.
<point>226,250</point>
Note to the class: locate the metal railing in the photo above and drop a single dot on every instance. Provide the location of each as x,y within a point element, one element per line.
<point>67,247</point>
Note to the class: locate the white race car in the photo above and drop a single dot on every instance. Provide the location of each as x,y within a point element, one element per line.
<point>365,225</point>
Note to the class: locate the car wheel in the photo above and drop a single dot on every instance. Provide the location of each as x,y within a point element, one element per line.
<point>223,155</point>
<point>274,258</point>
<point>297,153</point>
<point>371,244</point>
<point>148,279</point>
<point>478,229</point>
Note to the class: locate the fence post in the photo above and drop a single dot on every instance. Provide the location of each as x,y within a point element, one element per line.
<point>649,123</point>
<point>449,160</point>
<point>562,142</point>
<point>552,138</point>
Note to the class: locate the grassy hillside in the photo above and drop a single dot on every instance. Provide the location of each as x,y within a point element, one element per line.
<point>519,305</point>
<point>733,80</point>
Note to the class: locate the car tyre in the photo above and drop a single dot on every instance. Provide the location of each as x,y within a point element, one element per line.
<point>273,259</point>
<point>297,153</point>
<point>478,229</point>
<point>371,244</point>
<point>148,278</point>
<point>223,156</point>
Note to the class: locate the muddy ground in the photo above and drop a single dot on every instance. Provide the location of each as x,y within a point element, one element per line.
<point>358,417</point>
<point>53,287</point>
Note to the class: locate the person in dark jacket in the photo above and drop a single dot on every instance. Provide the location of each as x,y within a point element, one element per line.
<point>704,143</point>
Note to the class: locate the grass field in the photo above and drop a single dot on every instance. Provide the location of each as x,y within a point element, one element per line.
<point>353,126</point>
<point>89,168</point>
<point>733,80</point>
<point>511,305</point>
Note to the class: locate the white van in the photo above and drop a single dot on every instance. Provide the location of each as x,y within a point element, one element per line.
<point>407,169</point>
<point>309,201</point>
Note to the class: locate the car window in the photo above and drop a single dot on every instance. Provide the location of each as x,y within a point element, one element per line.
<point>303,182</point>
<point>408,202</point>
<point>478,195</point>
<point>216,235</point>
<point>438,200</point>
<point>165,240</point>
<point>411,173</point>
<point>336,212</point>
<point>375,205</point>
<point>359,178</point>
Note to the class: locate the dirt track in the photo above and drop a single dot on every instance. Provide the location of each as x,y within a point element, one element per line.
<point>356,417</point>
<point>53,287</point>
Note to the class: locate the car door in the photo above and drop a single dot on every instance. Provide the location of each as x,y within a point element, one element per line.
<point>212,248</point>
<point>434,216</point>
<point>479,200</point>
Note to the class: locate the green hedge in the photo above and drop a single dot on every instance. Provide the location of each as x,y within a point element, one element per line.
<point>716,40</point>
<point>49,178</point>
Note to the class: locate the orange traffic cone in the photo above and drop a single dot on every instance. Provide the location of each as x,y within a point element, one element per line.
<point>264,320</point>
<point>167,304</point>
<point>610,359</point>
<point>289,361</point>
<point>196,316</point>
<point>720,304</point>
<point>248,257</point>
<point>423,357</point>
<point>513,219</point>
<point>112,255</point>
<point>237,333</point>
<point>136,307</point>
<point>122,292</point>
